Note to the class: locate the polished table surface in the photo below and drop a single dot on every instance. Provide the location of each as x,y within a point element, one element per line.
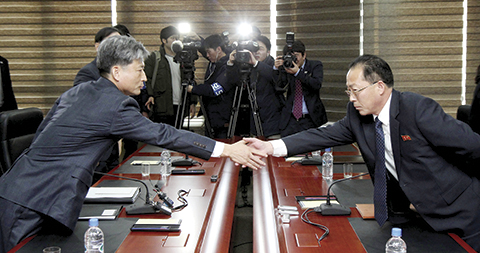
<point>207,220</point>
<point>280,182</point>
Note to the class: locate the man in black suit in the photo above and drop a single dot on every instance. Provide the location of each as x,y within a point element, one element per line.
<point>301,81</point>
<point>425,157</point>
<point>90,71</point>
<point>46,186</point>
<point>7,99</point>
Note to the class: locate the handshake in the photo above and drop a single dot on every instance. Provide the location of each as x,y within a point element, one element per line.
<point>248,152</point>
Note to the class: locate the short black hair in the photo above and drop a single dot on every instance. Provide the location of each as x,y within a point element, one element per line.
<point>297,46</point>
<point>214,41</point>
<point>374,69</point>
<point>265,41</point>
<point>123,30</point>
<point>104,32</point>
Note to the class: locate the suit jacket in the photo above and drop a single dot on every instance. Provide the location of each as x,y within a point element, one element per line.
<point>53,175</point>
<point>9,102</point>
<point>311,77</point>
<point>474,117</point>
<point>436,157</point>
<point>89,72</point>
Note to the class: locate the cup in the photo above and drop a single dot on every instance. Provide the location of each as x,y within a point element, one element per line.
<point>52,249</point>
<point>347,170</point>
<point>145,169</point>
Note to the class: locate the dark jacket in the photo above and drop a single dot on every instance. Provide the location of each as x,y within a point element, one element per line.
<point>162,90</point>
<point>53,175</point>
<point>474,118</point>
<point>217,93</point>
<point>311,77</point>
<point>267,97</point>
<point>89,72</point>
<point>9,102</point>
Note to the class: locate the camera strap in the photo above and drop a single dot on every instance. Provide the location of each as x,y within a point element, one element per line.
<point>155,70</point>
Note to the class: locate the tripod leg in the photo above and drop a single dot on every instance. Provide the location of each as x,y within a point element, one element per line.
<point>235,108</point>
<point>181,109</point>
<point>255,112</point>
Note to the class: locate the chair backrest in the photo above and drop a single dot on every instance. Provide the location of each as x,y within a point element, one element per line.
<point>463,113</point>
<point>17,129</point>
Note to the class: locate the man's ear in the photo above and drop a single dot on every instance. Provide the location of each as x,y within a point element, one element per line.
<point>116,73</point>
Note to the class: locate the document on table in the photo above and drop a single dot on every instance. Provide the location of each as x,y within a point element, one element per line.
<point>112,194</point>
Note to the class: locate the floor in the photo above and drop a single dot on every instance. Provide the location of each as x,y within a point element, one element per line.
<point>242,234</point>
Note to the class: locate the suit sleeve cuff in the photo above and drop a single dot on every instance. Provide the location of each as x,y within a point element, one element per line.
<point>218,149</point>
<point>279,148</point>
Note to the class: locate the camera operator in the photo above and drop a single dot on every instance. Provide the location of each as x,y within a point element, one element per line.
<point>165,94</point>
<point>262,86</point>
<point>217,93</point>
<point>301,79</point>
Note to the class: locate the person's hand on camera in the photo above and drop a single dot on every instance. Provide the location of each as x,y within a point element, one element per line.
<point>293,70</point>
<point>231,58</point>
<point>278,62</point>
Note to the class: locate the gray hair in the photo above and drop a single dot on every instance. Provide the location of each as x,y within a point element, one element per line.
<point>119,50</point>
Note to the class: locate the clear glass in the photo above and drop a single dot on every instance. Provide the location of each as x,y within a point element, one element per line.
<point>145,169</point>
<point>347,170</point>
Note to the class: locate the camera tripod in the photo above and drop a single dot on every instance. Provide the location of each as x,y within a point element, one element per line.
<point>245,83</point>
<point>188,71</point>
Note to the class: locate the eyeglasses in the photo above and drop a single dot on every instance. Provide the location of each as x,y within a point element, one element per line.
<point>355,92</point>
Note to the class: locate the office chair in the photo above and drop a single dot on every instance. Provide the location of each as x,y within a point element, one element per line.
<point>463,113</point>
<point>17,129</point>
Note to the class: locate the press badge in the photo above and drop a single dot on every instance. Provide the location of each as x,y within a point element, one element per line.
<point>217,89</point>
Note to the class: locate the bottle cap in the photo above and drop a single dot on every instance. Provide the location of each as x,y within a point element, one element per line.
<point>328,149</point>
<point>396,232</point>
<point>93,222</point>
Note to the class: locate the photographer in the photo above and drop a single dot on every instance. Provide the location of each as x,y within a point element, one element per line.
<point>301,79</point>
<point>262,85</point>
<point>217,93</point>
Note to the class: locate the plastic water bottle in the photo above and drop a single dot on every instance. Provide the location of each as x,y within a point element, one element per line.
<point>94,238</point>
<point>166,163</point>
<point>327,164</point>
<point>396,244</point>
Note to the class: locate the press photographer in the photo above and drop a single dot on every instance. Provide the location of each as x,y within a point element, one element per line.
<point>217,93</point>
<point>259,64</point>
<point>301,79</point>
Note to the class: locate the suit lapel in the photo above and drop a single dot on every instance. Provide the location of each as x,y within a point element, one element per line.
<point>395,129</point>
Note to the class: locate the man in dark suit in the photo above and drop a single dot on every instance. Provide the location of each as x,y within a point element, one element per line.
<point>428,159</point>
<point>90,71</point>
<point>46,186</point>
<point>7,99</point>
<point>301,81</point>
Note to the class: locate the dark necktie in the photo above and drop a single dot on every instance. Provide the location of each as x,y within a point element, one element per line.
<point>380,187</point>
<point>297,102</point>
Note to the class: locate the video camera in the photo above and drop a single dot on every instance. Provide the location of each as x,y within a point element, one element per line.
<point>186,52</point>
<point>289,58</point>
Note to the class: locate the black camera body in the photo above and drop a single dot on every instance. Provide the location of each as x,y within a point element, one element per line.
<point>289,58</point>
<point>243,48</point>
<point>188,54</point>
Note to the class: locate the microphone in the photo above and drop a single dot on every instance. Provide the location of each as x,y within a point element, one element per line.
<point>150,206</point>
<point>309,160</point>
<point>335,209</point>
<point>177,46</point>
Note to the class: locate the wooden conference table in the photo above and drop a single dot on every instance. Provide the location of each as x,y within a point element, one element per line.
<point>207,220</point>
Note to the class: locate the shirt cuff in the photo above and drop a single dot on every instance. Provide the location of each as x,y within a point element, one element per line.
<point>218,149</point>
<point>279,148</point>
